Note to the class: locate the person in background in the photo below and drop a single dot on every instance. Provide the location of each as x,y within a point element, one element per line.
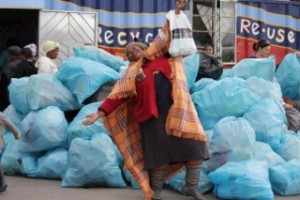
<point>33,49</point>
<point>25,67</point>
<point>262,49</point>
<point>5,124</point>
<point>46,64</point>
<point>4,57</point>
<point>149,94</point>
<point>14,55</point>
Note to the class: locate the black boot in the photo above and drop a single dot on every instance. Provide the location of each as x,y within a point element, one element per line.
<point>191,182</point>
<point>156,183</point>
<point>3,184</point>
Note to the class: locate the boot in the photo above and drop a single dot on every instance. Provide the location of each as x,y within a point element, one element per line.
<point>156,183</point>
<point>3,184</point>
<point>191,182</point>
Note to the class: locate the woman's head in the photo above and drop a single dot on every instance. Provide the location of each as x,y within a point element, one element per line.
<point>209,49</point>
<point>134,51</point>
<point>51,49</point>
<point>26,54</point>
<point>262,48</point>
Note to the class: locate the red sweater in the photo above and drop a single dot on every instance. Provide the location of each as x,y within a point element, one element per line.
<point>144,103</point>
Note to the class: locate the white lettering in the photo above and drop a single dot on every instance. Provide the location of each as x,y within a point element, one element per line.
<point>255,28</point>
<point>291,37</point>
<point>99,36</point>
<point>149,37</point>
<point>245,25</point>
<point>280,37</point>
<point>121,41</point>
<point>136,35</point>
<point>107,36</point>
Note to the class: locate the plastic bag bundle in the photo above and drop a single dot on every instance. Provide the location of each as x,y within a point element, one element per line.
<point>87,170</point>
<point>43,130</point>
<point>191,66</point>
<point>242,180</point>
<point>227,97</point>
<point>10,157</point>
<point>287,75</point>
<point>83,77</point>
<point>76,129</point>
<point>268,119</point>
<point>289,147</point>
<point>182,42</point>
<point>14,116</point>
<point>211,66</point>
<point>53,164</point>
<point>46,90</point>
<point>260,67</point>
<point>18,95</point>
<point>99,55</point>
<point>285,178</point>
<point>263,152</point>
<point>222,146</point>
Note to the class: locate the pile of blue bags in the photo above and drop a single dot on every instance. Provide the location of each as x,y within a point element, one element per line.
<point>253,155</point>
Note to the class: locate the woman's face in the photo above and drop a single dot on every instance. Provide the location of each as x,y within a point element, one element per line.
<point>209,50</point>
<point>264,52</point>
<point>134,53</point>
<point>53,54</point>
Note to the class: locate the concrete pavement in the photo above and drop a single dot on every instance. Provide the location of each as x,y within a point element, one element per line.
<point>22,188</point>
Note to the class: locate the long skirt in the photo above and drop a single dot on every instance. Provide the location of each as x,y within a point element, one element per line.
<point>159,148</point>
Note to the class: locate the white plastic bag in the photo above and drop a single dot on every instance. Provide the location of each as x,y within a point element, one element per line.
<point>182,42</point>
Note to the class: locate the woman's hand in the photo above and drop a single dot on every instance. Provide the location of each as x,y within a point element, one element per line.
<point>90,119</point>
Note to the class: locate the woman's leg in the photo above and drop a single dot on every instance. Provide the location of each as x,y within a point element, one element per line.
<point>192,179</point>
<point>157,181</point>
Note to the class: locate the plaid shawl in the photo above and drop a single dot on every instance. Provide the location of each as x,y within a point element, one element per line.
<point>182,119</point>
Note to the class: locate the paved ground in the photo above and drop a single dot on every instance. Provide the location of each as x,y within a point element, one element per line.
<point>21,188</point>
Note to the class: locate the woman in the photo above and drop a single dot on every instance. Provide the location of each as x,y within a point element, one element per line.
<point>262,49</point>
<point>208,49</point>
<point>154,114</point>
<point>46,64</point>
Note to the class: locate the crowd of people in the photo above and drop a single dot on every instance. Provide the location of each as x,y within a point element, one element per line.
<point>17,62</point>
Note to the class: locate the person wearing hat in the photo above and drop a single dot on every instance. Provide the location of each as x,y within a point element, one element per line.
<point>46,64</point>
<point>152,119</point>
<point>33,49</point>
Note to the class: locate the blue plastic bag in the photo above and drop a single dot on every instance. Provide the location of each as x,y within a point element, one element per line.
<point>191,67</point>
<point>242,180</point>
<point>46,90</point>
<point>99,55</point>
<point>76,129</point>
<point>43,130</point>
<point>18,94</point>
<point>53,164</point>
<point>263,152</point>
<point>259,67</point>
<point>285,178</point>
<point>287,75</point>
<point>83,77</point>
<point>93,163</point>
